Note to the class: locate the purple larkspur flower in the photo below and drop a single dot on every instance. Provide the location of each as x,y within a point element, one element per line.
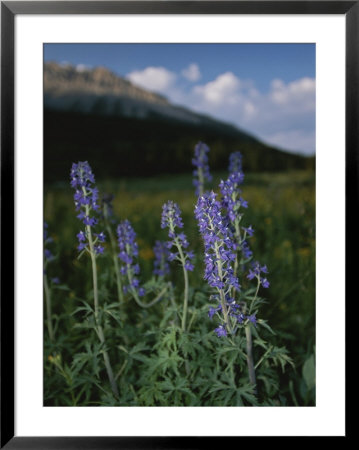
<point>99,249</point>
<point>171,214</point>
<point>46,226</point>
<point>212,311</point>
<point>247,252</point>
<point>231,199</point>
<point>81,236</point>
<point>48,255</point>
<point>235,162</point>
<point>221,331</point>
<point>219,253</point>
<point>233,204</point>
<point>218,243</point>
<point>171,218</point>
<point>240,317</point>
<point>47,252</point>
<point>101,236</point>
<point>128,255</point>
<point>252,318</point>
<point>243,203</point>
<point>249,230</point>
<point>255,272</point>
<point>86,203</point>
<point>81,246</point>
<point>200,161</point>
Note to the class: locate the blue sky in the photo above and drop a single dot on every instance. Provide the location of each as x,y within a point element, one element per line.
<point>265,89</point>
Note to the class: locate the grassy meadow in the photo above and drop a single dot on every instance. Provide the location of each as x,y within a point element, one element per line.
<point>282,213</point>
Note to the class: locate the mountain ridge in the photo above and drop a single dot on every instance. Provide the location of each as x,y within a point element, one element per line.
<point>101,91</point>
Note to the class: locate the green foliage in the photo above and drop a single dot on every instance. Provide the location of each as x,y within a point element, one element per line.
<point>154,362</point>
<point>309,372</point>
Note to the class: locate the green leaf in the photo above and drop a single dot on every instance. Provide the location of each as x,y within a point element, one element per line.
<point>309,372</point>
<point>86,308</point>
<point>261,343</point>
<point>264,324</point>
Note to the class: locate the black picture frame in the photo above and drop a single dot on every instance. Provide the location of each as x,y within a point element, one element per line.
<point>9,10</point>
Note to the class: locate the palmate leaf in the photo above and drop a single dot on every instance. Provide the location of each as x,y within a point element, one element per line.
<point>87,308</point>
<point>87,324</point>
<point>112,311</point>
<point>219,386</point>
<point>175,390</point>
<point>279,356</point>
<point>169,338</point>
<point>247,392</point>
<point>233,352</point>
<point>263,323</point>
<point>171,312</point>
<point>200,298</point>
<point>227,393</point>
<point>137,351</point>
<point>166,361</point>
<point>261,343</point>
<point>208,340</point>
<point>154,285</point>
<point>187,346</point>
<point>270,380</point>
<point>151,394</point>
<point>201,385</point>
<point>79,360</point>
<point>90,358</point>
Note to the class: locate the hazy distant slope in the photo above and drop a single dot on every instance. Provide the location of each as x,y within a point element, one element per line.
<point>100,91</point>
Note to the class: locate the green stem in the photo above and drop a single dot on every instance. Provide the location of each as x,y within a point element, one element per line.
<point>48,308</point>
<point>220,274</point>
<point>221,292</point>
<point>134,292</point>
<point>96,306</point>
<point>186,285</point>
<point>250,364</point>
<point>235,268</point>
<point>154,301</point>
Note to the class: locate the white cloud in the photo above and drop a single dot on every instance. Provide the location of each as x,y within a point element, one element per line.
<point>300,92</point>
<point>224,89</point>
<point>300,141</point>
<point>192,73</point>
<point>284,116</point>
<point>157,79</point>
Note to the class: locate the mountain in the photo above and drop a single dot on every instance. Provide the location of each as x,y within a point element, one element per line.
<point>100,91</point>
<point>95,115</point>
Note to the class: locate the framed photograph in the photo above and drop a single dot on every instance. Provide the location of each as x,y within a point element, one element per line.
<point>175,180</point>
